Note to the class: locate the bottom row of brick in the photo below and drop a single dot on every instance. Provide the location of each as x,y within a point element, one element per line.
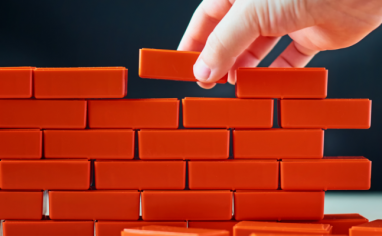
<point>340,223</point>
<point>165,205</point>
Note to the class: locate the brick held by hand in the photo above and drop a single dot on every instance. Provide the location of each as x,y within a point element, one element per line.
<point>329,173</point>
<point>16,82</point>
<point>227,113</point>
<point>90,144</point>
<point>21,205</point>
<point>12,139</point>
<point>169,65</point>
<point>325,113</point>
<point>281,82</point>
<point>81,82</point>
<point>43,114</point>
<point>161,113</point>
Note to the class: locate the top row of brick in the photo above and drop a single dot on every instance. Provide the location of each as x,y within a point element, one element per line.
<point>111,82</point>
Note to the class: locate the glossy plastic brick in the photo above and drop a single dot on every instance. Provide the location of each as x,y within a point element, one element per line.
<point>94,205</point>
<point>278,143</point>
<point>134,113</point>
<point>279,205</point>
<point>329,173</point>
<point>91,144</point>
<point>114,228</point>
<point>88,82</point>
<point>168,64</point>
<point>373,228</point>
<point>227,113</point>
<point>341,222</point>
<point>172,231</point>
<point>45,174</point>
<point>281,82</point>
<point>184,144</point>
<point>234,174</point>
<point>187,205</point>
<point>48,228</point>
<point>219,225</point>
<point>43,114</point>
<point>16,82</point>
<point>326,113</point>
<point>20,205</point>
<point>12,139</point>
<point>141,175</point>
<point>246,228</point>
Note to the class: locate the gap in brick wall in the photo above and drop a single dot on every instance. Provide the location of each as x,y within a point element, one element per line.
<point>181,115</point>
<point>230,144</point>
<point>276,120</point>
<point>42,144</point>
<point>136,145</point>
<point>279,179</point>
<point>1,227</point>
<point>186,186</point>
<point>92,174</point>
<point>45,203</point>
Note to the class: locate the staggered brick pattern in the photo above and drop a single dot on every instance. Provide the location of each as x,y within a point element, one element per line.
<point>99,157</point>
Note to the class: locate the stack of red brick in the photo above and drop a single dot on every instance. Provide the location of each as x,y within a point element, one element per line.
<point>97,157</point>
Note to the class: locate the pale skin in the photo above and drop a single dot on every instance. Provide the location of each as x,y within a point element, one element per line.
<point>232,34</point>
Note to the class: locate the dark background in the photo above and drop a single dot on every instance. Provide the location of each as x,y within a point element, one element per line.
<point>74,33</point>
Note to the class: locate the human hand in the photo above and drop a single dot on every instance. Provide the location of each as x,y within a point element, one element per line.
<point>232,34</point>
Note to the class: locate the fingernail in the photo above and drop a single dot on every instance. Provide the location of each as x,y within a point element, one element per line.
<point>201,70</point>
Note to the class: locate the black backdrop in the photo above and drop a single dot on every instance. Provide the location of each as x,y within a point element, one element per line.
<point>74,33</point>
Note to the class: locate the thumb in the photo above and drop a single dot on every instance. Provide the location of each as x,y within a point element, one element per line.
<point>234,33</point>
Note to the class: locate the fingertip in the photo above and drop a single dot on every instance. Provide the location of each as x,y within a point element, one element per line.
<point>232,77</point>
<point>201,71</point>
<point>206,85</point>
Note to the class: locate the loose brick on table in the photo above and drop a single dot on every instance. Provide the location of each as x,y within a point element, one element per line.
<point>187,205</point>
<point>373,228</point>
<point>94,205</point>
<point>279,205</point>
<point>329,173</point>
<point>134,113</point>
<point>341,222</point>
<point>48,228</point>
<point>12,139</point>
<point>222,225</point>
<point>281,82</point>
<point>227,113</point>
<point>43,114</point>
<point>45,174</point>
<point>91,144</point>
<point>184,144</point>
<point>21,205</point>
<point>246,228</point>
<point>171,231</point>
<point>114,228</point>
<point>169,65</point>
<point>137,174</point>
<point>85,82</point>
<point>16,82</point>
<point>326,113</point>
<point>234,174</point>
<point>278,143</point>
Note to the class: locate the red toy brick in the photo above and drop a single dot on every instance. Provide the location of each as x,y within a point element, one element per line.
<point>246,228</point>
<point>140,175</point>
<point>279,205</point>
<point>183,144</point>
<point>30,140</point>
<point>172,231</point>
<point>114,228</point>
<point>234,174</point>
<point>187,205</point>
<point>91,144</point>
<point>341,222</point>
<point>16,82</point>
<point>169,65</point>
<point>134,113</point>
<point>48,228</point>
<point>43,114</point>
<point>281,82</point>
<point>91,82</point>
<point>278,143</point>
<point>326,113</point>
<point>373,228</point>
<point>94,205</point>
<point>330,173</point>
<point>20,205</point>
<point>222,225</point>
<point>227,113</point>
<point>45,174</point>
